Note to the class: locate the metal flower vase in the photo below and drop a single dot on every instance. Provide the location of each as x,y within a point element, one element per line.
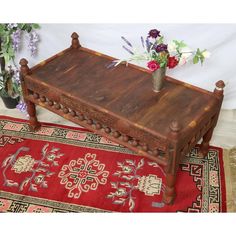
<point>158,77</point>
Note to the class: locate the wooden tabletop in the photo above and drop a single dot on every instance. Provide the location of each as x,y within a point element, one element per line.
<point>126,91</point>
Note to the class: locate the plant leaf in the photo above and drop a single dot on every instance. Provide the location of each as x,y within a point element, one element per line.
<point>35,26</point>
<point>195,59</point>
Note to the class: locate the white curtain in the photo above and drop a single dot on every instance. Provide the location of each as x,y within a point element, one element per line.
<point>219,39</point>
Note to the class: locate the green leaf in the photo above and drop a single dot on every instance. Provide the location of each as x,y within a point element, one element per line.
<point>160,40</point>
<point>162,64</point>
<point>7,57</point>
<point>180,44</point>
<point>35,26</point>
<point>195,59</point>
<point>23,26</point>
<point>202,59</point>
<point>8,38</point>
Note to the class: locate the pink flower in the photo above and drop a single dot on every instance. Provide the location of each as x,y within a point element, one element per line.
<point>153,65</point>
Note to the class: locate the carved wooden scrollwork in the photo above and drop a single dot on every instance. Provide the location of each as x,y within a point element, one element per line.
<point>118,130</point>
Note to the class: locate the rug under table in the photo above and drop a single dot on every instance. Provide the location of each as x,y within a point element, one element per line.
<point>66,169</point>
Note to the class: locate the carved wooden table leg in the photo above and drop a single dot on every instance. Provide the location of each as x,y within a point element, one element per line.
<point>204,147</point>
<point>33,121</point>
<point>171,169</point>
<point>169,193</point>
<point>24,70</point>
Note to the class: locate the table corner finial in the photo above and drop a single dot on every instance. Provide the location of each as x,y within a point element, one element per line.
<point>219,89</point>
<point>24,69</point>
<point>75,40</point>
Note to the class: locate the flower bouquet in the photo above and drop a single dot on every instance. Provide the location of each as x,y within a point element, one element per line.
<point>159,56</point>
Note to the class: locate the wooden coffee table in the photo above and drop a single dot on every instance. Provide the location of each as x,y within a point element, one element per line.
<point>120,105</point>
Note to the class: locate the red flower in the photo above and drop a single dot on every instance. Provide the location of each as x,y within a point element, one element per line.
<point>153,65</point>
<point>172,62</point>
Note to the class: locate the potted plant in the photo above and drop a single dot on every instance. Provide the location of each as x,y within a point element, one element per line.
<point>10,43</point>
<point>160,55</point>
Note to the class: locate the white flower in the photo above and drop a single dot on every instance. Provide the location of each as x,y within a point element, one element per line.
<point>186,54</point>
<point>172,47</point>
<point>206,54</point>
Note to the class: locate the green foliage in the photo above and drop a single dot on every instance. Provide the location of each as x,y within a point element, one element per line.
<point>8,87</point>
<point>7,50</point>
<point>161,58</point>
<point>160,40</point>
<point>180,44</point>
<point>28,27</point>
<point>199,56</point>
<point>3,92</point>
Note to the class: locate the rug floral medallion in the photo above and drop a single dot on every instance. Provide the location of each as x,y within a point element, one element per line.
<point>66,169</point>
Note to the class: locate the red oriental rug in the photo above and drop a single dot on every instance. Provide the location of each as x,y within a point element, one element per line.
<point>66,169</point>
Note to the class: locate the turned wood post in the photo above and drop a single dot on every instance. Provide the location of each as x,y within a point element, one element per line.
<point>219,93</point>
<point>24,71</point>
<point>75,41</point>
<point>172,166</point>
<point>173,135</point>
